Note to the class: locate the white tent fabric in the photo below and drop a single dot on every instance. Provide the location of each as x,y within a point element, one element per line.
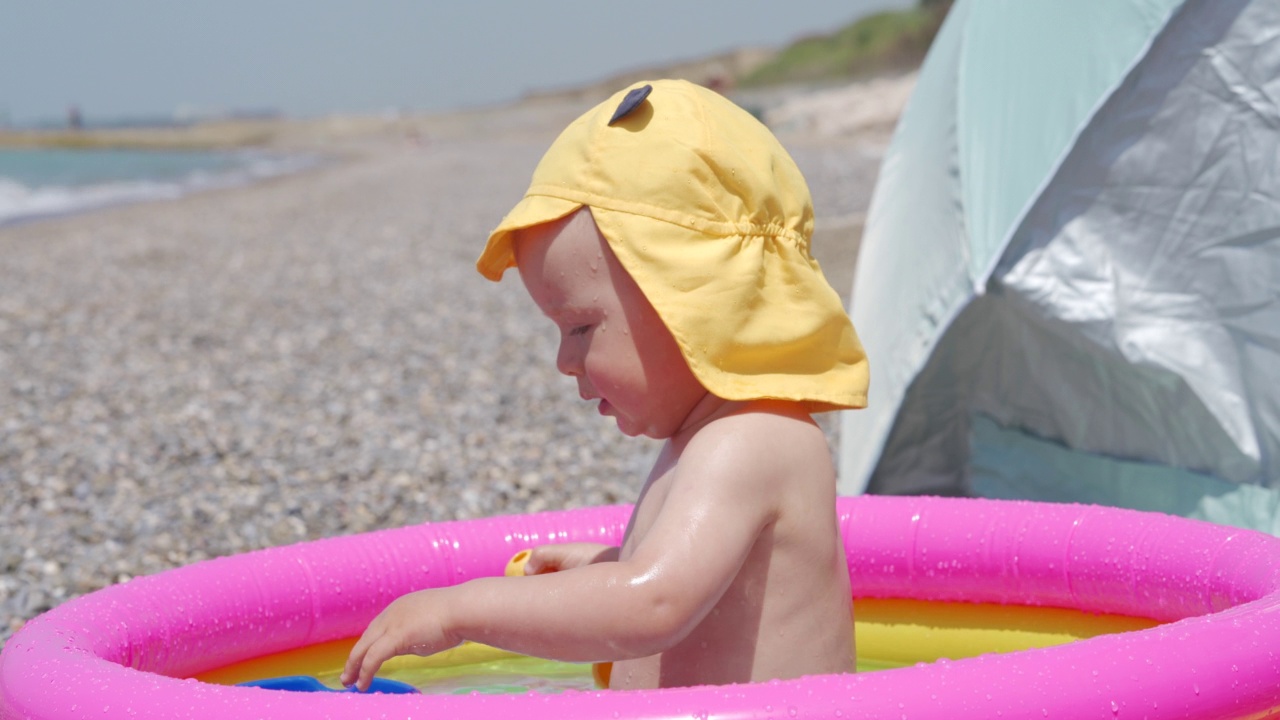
<point>1069,284</point>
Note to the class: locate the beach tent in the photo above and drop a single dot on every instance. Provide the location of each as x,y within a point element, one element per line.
<point>1069,284</point>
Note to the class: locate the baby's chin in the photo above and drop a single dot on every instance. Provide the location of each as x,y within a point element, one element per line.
<point>631,428</point>
<point>649,432</point>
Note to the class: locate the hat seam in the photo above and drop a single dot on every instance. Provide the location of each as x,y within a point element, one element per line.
<point>721,228</point>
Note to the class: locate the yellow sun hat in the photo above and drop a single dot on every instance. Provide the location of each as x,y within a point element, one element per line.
<point>712,218</point>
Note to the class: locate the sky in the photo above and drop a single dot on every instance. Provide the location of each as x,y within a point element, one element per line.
<point>306,58</point>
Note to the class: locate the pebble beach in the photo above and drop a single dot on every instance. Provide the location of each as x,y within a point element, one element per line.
<point>309,356</point>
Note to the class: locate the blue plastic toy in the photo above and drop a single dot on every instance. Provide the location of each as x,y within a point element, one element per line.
<point>306,683</point>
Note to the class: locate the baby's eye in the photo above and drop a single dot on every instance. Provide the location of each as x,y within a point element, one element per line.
<point>580,330</point>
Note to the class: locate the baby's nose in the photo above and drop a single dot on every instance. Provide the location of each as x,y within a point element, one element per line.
<point>568,361</point>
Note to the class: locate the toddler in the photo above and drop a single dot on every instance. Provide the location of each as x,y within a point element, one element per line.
<point>665,233</point>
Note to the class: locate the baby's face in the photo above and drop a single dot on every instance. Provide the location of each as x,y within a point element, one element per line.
<point>611,339</point>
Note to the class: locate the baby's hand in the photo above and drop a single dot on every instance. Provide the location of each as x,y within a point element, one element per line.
<point>413,624</point>
<point>567,556</point>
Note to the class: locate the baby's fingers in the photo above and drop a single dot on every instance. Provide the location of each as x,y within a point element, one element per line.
<point>551,558</point>
<point>353,671</point>
<point>361,670</point>
<point>540,561</point>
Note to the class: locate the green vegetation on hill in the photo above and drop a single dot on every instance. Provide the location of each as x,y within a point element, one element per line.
<point>886,41</point>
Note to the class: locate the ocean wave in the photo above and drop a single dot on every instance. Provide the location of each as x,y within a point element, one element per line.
<point>21,202</point>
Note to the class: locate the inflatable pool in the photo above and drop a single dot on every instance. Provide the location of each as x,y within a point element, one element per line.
<point>1210,592</point>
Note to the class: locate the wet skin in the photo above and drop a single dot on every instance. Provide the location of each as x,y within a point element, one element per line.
<point>731,569</point>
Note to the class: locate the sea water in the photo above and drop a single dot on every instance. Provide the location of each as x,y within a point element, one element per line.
<point>40,182</point>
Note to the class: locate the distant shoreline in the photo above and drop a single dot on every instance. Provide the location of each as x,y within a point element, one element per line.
<point>334,134</point>
<point>227,135</point>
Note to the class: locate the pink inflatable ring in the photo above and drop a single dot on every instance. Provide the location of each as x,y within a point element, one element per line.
<point>123,651</point>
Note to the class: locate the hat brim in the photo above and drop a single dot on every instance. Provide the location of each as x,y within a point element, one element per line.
<point>533,210</point>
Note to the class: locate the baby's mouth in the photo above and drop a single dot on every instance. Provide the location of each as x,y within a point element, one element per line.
<point>604,408</point>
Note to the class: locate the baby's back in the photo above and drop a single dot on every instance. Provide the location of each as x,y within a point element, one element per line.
<point>786,611</point>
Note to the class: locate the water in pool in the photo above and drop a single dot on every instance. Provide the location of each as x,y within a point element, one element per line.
<point>511,675</point>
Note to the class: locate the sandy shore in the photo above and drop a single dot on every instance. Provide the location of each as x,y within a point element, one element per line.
<point>307,357</point>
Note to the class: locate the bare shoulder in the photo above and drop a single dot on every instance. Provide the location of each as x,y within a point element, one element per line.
<point>760,443</point>
<point>769,422</point>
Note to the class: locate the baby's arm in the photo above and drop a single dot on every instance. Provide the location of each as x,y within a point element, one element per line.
<point>724,496</point>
